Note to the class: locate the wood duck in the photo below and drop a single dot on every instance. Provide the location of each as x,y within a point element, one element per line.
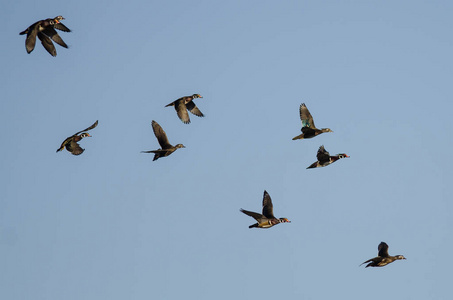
<point>324,158</point>
<point>71,143</point>
<point>308,129</point>
<point>167,148</point>
<point>45,30</point>
<point>267,219</point>
<point>186,103</point>
<point>383,257</point>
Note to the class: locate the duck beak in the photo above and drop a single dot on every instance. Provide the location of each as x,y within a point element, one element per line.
<point>88,135</point>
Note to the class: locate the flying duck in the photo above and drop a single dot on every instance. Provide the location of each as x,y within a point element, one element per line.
<point>324,158</point>
<point>383,257</point>
<point>71,143</point>
<point>186,103</point>
<point>308,129</point>
<point>267,219</point>
<point>167,148</point>
<point>45,30</point>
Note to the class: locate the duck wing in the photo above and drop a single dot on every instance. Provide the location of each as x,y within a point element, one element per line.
<point>383,249</point>
<point>47,43</point>
<point>87,129</point>
<point>30,41</point>
<point>62,27</point>
<point>305,117</point>
<point>161,136</point>
<point>194,109</point>
<point>268,208</point>
<point>322,155</point>
<point>52,33</point>
<point>181,110</point>
<point>74,147</point>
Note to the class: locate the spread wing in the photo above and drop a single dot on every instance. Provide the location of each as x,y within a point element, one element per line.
<point>252,214</point>
<point>30,41</point>
<point>323,155</point>
<point>383,249</point>
<point>305,117</point>
<point>74,148</point>
<point>52,33</point>
<point>47,43</point>
<point>181,110</point>
<point>194,109</point>
<point>62,27</point>
<point>160,135</point>
<point>89,128</point>
<point>268,208</point>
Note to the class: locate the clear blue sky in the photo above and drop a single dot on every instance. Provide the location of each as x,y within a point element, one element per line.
<point>112,224</point>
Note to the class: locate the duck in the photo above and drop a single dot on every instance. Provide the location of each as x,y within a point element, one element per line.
<point>161,136</point>
<point>383,257</point>
<point>308,129</point>
<point>71,143</point>
<point>324,158</point>
<point>186,103</point>
<point>45,30</point>
<point>267,219</point>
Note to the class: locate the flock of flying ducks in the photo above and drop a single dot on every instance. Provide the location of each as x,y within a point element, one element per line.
<point>45,31</point>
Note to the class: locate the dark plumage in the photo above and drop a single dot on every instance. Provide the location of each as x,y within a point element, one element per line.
<point>383,257</point>
<point>308,129</point>
<point>166,147</point>
<point>267,219</point>
<point>45,30</point>
<point>71,143</point>
<point>186,103</point>
<point>324,158</point>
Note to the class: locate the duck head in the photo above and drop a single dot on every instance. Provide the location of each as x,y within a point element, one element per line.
<point>84,135</point>
<point>284,220</point>
<point>180,146</point>
<point>57,19</point>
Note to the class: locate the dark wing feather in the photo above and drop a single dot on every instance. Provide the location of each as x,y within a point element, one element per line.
<point>30,41</point>
<point>74,148</point>
<point>62,27</point>
<point>52,33</point>
<point>252,214</point>
<point>268,208</point>
<point>160,135</point>
<point>323,155</point>
<point>194,109</point>
<point>305,117</point>
<point>89,128</point>
<point>181,110</point>
<point>383,249</point>
<point>47,43</point>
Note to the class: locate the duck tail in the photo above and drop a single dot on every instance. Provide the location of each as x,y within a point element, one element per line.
<point>254,225</point>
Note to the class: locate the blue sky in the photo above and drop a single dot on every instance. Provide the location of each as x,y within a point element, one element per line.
<point>113,224</point>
